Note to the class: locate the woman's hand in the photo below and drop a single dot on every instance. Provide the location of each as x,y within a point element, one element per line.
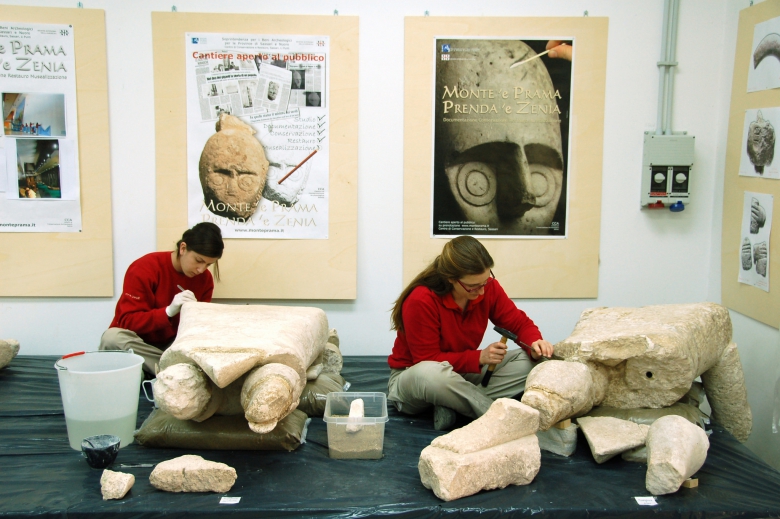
<point>493,354</point>
<point>541,348</point>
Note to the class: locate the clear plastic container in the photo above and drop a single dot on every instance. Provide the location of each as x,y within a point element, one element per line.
<point>361,438</point>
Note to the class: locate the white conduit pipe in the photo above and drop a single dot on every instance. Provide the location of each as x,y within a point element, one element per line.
<point>662,72</point>
<point>672,51</point>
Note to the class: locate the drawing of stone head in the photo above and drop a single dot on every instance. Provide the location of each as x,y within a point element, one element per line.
<point>233,169</point>
<point>504,163</point>
<point>761,143</point>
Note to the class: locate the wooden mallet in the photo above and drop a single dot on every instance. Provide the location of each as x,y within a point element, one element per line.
<point>505,334</point>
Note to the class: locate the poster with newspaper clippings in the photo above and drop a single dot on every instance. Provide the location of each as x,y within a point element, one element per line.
<point>258,134</point>
<point>40,189</point>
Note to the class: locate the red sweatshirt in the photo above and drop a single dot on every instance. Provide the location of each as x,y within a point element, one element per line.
<point>149,287</point>
<point>436,329</point>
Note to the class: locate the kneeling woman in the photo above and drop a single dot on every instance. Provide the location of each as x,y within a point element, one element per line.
<point>155,288</point>
<point>440,319</point>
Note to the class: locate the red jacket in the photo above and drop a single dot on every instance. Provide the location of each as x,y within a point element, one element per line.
<point>436,329</point>
<point>150,284</point>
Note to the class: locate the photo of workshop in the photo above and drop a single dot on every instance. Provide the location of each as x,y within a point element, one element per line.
<point>414,260</point>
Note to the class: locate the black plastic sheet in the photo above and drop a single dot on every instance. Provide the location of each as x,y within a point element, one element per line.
<point>40,475</point>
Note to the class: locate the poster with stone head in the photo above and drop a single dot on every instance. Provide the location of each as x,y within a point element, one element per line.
<point>754,248</point>
<point>500,145</point>
<point>759,143</point>
<point>257,150</point>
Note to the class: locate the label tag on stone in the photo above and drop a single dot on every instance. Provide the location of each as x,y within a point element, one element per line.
<point>229,500</point>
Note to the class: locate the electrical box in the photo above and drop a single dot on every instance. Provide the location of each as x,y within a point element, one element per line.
<point>666,171</point>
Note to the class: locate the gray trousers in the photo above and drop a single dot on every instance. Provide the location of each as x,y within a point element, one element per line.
<point>428,383</point>
<point>115,339</point>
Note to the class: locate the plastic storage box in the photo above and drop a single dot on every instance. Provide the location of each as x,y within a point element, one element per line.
<point>361,438</point>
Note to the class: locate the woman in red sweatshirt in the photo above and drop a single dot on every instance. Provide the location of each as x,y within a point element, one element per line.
<point>440,319</point>
<point>155,288</point>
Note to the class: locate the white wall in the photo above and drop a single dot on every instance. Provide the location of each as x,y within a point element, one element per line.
<point>646,257</point>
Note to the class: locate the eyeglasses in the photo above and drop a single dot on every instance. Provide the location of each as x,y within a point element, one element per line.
<point>476,288</point>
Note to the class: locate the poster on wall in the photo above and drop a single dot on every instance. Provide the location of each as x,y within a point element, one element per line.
<point>759,143</point>
<point>756,228</point>
<point>500,138</point>
<point>40,189</point>
<point>764,62</point>
<point>258,134</point>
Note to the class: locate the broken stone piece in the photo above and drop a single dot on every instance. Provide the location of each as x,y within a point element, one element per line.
<point>676,449</point>
<point>726,393</point>
<point>182,390</point>
<point>333,337</point>
<point>636,455</point>
<point>559,441</point>
<point>191,473</point>
<point>506,420</point>
<point>270,393</point>
<point>560,390</point>
<point>332,361</point>
<point>608,437</point>
<point>314,371</point>
<point>356,415</point>
<point>9,348</point>
<point>451,475</point>
<point>114,485</point>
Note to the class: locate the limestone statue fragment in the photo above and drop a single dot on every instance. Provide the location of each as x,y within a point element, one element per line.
<point>191,473</point>
<point>234,359</point>
<point>641,357</point>
<point>9,348</point>
<point>608,437</point>
<point>493,451</point>
<point>676,449</point>
<point>115,485</point>
<point>559,441</point>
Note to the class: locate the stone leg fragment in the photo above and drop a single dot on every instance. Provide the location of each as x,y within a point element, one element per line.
<point>183,391</point>
<point>190,473</point>
<point>724,385</point>
<point>270,393</point>
<point>8,350</point>
<point>451,475</point>
<point>506,420</point>
<point>559,441</point>
<point>560,390</point>
<point>608,437</point>
<point>676,449</point>
<point>114,485</point>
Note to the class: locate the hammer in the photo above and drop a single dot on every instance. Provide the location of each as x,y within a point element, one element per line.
<point>505,334</point>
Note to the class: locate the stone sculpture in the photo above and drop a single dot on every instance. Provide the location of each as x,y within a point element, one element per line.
<point>240,359</point>
<point>115,485</point>
<point>9,348</point>
<point>643,357</point>
<point>233,169</point>
<point>608,437</point>
<point>499,448</point>
<point>760,143</point>
<point>505,173</point>
<point>191,473</point>
<point>676,449</point>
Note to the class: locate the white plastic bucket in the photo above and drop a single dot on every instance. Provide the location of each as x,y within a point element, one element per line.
<point>100,391</point>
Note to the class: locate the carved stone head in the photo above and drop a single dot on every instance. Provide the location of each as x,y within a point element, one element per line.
<point>233,169</point>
